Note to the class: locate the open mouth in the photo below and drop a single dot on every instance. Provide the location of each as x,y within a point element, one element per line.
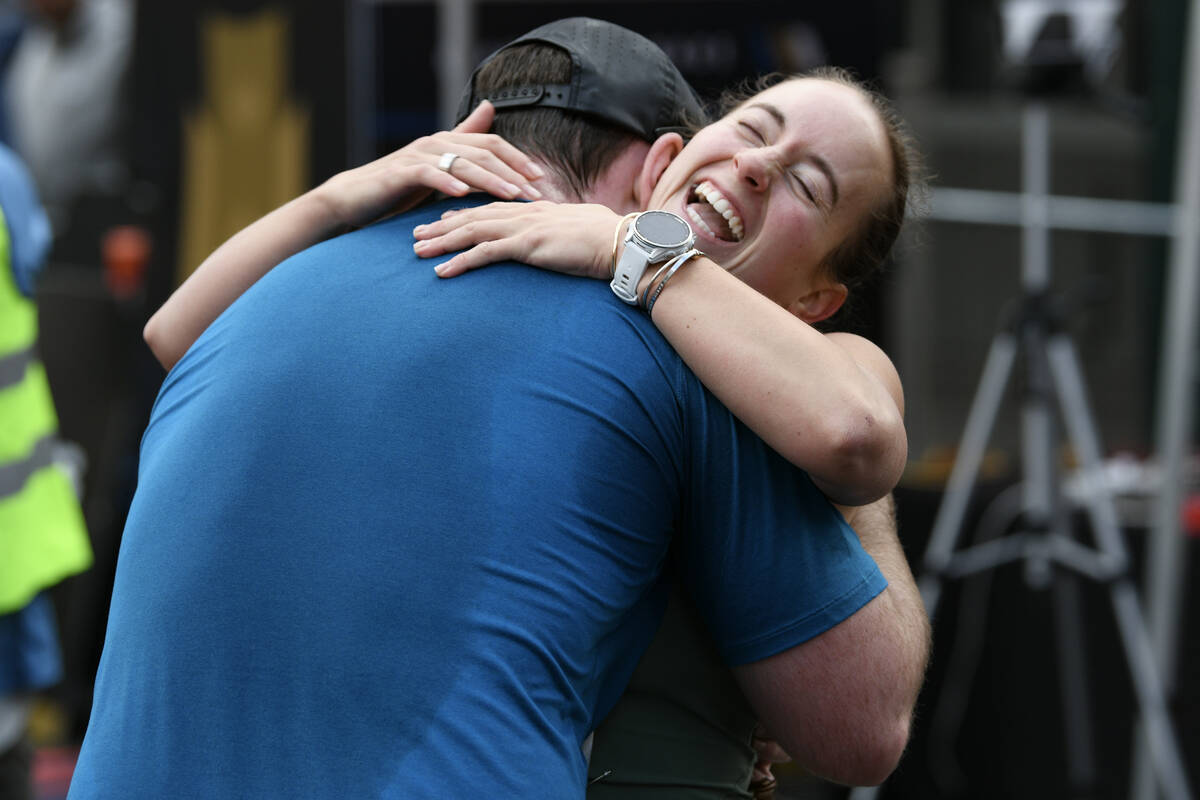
<point>711,213</point>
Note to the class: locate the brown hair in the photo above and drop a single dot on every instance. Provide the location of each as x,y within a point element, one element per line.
<point>865,250</point>
<point>578,147</point>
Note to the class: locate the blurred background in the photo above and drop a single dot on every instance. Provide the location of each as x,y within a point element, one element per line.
<point>154,130</point>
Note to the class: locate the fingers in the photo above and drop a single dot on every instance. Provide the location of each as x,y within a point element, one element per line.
<point>442,181</point>
<point>404,177</point>
<point>499,147</point>
<point>484,161</point>
<point>489,151</point>
<point>484,170</point>
<point>436,239</point>
<point>767,748</point>
<point>462,228</point>
<point>479,120</point>
<point>560,238</point>
<point>761,773</point>
<point>770,752</point>
<point>495,210</point>
<point>491,236</point>
<point>480,255</point>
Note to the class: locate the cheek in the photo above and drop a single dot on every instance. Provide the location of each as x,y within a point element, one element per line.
<point>783,270</point>
<point>668,193</point>
<point>762,268</point>
<point>781,265</point>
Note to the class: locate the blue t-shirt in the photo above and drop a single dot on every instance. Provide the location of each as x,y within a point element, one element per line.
<point>396,536</point>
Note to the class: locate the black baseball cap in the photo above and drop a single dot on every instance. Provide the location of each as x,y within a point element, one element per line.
<point>618,76</point>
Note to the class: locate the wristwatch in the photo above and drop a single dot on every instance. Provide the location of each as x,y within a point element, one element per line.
<point>653,237</point>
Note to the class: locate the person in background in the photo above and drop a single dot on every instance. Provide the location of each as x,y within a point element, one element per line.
<point>64,89</point>
<point>42,534</point>
<point>12,24</point>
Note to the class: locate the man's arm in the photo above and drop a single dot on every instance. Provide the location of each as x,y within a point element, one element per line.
<point>841,703</point>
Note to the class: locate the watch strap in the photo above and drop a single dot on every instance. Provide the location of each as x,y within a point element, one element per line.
<point>629,271</point>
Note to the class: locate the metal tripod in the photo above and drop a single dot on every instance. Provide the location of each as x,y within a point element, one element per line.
<point>1043,541</point>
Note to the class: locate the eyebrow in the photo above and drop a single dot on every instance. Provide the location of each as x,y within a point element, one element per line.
<point>816,159</point>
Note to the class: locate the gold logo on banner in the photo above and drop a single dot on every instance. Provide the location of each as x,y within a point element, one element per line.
<point>246,148</point>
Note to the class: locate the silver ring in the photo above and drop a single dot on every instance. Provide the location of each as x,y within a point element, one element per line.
<point>446,161</point>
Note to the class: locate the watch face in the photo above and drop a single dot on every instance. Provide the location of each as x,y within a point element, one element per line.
<point>663,229</point>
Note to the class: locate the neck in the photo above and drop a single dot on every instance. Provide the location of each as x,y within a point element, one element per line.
<point>614,187</point>
<point>555,188</point>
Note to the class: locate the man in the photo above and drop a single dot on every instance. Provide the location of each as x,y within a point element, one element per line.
<point>401,538</point>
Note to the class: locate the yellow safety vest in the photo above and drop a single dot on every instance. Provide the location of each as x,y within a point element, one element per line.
<point>43,538</point>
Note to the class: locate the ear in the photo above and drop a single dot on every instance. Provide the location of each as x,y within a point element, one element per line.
<point>662,152</point>
<point>820,303</point>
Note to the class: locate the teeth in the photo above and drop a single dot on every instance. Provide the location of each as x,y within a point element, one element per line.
<point>711,195</point>
<point>699,222</point>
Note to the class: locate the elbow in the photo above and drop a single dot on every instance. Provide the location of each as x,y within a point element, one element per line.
<point>156,340</point>
<point>867,453</point>
<point>864,757</point>
<point>878,758</point>
<point>885,753</point>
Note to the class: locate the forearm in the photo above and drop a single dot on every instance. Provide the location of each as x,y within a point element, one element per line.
<point>803,392</point>
<point>356,197</point>
<point>909,632</point>
<point>823,407</point>
<point>841,703</point>
<point>232,269</point>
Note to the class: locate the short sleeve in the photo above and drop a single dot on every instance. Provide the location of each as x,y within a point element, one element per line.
<point>770,562</point>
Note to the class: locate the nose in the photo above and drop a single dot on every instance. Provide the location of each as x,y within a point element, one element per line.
<point>754,166</point>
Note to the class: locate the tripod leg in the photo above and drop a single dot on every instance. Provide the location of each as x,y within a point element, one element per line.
<point>1072,671</point>
<point>1081,428</point>
<point>1144,670</point>
<point>1147,684</point>
<point>948,523</point>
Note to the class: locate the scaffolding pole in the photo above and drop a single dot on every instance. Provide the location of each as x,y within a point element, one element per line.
<point>1176,375</point>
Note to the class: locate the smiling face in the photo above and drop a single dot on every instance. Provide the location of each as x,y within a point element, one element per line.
<point>771,188</point>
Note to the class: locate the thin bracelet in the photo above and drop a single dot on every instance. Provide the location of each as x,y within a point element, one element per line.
<point>674,265</point>
<point>612,264</point>
<point>670,267</point>
<point>650,284</point>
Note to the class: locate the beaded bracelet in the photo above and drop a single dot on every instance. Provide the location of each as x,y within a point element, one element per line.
<point>612,264</point>
<point>674,265</point>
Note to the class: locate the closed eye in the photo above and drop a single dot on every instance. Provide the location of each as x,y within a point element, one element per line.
<point>804,187</point>
<point>754,132</point>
